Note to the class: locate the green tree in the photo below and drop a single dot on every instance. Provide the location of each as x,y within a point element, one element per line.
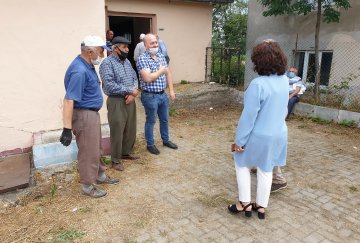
<point>229,25</point>
<point>328,12</point>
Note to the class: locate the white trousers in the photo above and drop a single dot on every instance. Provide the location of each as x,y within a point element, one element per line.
<point>264,180</point>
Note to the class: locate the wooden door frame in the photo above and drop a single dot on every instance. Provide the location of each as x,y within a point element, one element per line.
<point>153,22</point>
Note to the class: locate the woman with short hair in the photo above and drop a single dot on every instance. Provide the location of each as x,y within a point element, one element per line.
<point>261,135</point>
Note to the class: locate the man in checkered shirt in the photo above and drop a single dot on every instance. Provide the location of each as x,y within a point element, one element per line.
<point>155,75</point>
<point>120,84</point>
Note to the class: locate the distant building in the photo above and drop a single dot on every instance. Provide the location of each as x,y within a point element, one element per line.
<point>339,43</point>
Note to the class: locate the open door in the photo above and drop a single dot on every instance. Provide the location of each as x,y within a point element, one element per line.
<point>130,27</point>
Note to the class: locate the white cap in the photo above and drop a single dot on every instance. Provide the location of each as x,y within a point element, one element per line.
<point>93,40</point>
<point>142,36</point>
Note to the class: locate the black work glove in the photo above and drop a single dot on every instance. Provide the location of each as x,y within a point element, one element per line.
<point>66,137</point>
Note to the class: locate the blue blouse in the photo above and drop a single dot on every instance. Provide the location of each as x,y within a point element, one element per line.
<point>262,129</point>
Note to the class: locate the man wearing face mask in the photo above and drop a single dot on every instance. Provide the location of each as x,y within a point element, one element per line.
<point>120,84</point>
<point>295,86</point>
<point>82,102</point>
<point>155,75</point>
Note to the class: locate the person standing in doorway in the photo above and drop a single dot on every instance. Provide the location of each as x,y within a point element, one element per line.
<point>155,75</point>
<point>140,48</point>
<point>163,49</point>
<point>83,100</point>
<point>120,84</point>
<point>109,37</point>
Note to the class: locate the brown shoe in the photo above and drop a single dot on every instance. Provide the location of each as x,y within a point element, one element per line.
<point>277,187</point>
<point>130,157</point>
<point>118,166</point>
<point>108,180</point>
<point>95,193</point>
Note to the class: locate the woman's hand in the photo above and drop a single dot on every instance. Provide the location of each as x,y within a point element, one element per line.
<point>237,149</point>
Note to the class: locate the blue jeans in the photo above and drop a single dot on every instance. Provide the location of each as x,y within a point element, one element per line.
<point>156,104</point>
<point>291,104</point>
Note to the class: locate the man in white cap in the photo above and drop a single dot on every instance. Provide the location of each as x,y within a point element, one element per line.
<point>140,48</point>
<point>83,100</point>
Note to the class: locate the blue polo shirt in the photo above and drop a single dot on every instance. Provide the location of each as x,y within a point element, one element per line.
<point>82,85</point>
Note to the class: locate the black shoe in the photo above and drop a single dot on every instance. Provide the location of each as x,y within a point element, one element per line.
<point>171,145</point>
<point>256,207</point>
<point>153,149</point>
<point>277,187</point>
<point>233,209</point>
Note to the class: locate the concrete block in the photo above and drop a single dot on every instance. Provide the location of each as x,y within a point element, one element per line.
<point>326,113</point>
<point>54,153</point>
<point>45,137</point>
<point>350,116</point>
<point>304,109</point>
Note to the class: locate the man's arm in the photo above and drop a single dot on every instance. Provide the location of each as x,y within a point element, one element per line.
<point>297,90</point>
<point>169,79</point>
<point>67,113</point>
<point>149,77</point>
<point>66,135</point>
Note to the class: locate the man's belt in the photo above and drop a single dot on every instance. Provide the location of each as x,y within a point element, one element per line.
<point>87,108</point>
<point>117,96</point>
<point>151,92</point>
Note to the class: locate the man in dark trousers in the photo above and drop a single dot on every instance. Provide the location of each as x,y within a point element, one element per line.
<point>120,84</point>
<point>83,100</point>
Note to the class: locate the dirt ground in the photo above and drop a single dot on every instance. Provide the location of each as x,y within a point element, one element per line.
<point>158,192</point>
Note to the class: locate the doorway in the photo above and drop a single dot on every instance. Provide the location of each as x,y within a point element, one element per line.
<point>130,27</point>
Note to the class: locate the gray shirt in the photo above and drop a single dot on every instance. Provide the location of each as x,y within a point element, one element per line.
<point>139,49</point>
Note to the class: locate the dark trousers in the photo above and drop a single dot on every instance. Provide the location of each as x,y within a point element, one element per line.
<point>122,123</point>
<point>292,103</point>
<point>87,130</point>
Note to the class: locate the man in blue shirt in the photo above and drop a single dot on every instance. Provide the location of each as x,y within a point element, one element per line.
<point>154,76</point>
<point>83,100</point>
<point>120,84</point>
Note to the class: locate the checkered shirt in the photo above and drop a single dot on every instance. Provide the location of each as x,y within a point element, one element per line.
<point>117,78</point>
<point>146,61</point>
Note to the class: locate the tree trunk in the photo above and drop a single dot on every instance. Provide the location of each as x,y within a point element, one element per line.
<point>317,54</point>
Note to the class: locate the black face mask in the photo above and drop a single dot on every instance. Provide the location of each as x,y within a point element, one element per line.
<point>122,55</point>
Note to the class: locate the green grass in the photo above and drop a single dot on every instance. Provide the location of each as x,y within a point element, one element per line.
<point>184,81</point>
<point>348,123</point>
<point>319,120</point>
<point>353,189</point>
<point>65,236</point>
<point>172,112</point>
<point>53,191</point>
<point>106,160</point>
<point>130,241</point>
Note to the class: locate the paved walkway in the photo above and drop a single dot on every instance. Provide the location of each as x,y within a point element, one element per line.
<point>182,195</point>
<point>196,183</point>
